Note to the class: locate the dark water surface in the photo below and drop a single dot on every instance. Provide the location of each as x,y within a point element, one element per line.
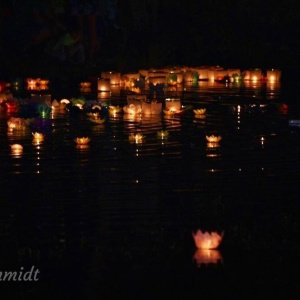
<point>114,220</point>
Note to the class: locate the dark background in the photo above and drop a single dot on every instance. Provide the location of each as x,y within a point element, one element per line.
<point>135,34</point>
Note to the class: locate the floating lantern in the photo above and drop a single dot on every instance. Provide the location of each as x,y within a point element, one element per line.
<point>132,109</point>
<point>11,105</point>
<point>200,111</point>
<point>207,256</point>
<point>114,109</point>
<point>152,108</point>
<point>5,96</point>
<point>39,137</point>
<point>85,84</point>
<point>44,110</point>
<point>17,123</point>
<point>136,138</point>
<point>172,78</point>
<point>78,102</point>
<point>273,75</point>
<point>253,75</point>
<point>103,85</point>
<point>115,78</point>
<point>82,140</point>
<point>173,104</point>
<point>55,104</point>
<point>16,149</point>
<point>207,240</point>
<point>163,134</point>
<point>213,138</point>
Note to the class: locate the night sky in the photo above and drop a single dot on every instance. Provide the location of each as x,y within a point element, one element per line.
<point>136,34</point>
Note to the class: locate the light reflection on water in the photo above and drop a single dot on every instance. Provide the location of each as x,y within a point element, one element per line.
<point>121,214</point>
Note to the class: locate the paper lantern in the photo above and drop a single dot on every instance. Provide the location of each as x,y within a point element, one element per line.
<point>39,137</point>
<point>85,84</point>
<point>152,108</point>
<point>132,109</point>
<point>103,85</point>
<point>114,109</point>
<point>82,140</point>
<point>16,149</point>
<point>44,110</point>
<point>163,134</point>
<point>213,138</point>
<point>173,104</point>
<point>15,123</point>
<point>273,75</point>
<point>207,240</point>
<point>200,111</point>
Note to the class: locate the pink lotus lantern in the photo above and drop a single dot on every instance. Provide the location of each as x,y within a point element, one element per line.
<point>207,240</point>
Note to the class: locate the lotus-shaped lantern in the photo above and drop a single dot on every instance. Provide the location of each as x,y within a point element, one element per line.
<point>85,84</point>
<point>136,138</point>
<point>207,240</point>
<point>213,138</point>
<point>82,140</point>
<point>163,134</point>
<point>37,136</point>
<point>199,111</point>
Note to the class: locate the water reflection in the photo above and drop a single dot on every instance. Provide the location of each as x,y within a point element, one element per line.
<point>207,256</point>
<point>131,204</point>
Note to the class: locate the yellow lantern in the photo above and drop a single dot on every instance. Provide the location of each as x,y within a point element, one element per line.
<point>213,138</point>
<point>163,134</point>
<point>38,137</point>
<point>200,111</point>
<point>114,109</point>
<point>136,138</point>
<point>16,149</point>
<point>82,140</point>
